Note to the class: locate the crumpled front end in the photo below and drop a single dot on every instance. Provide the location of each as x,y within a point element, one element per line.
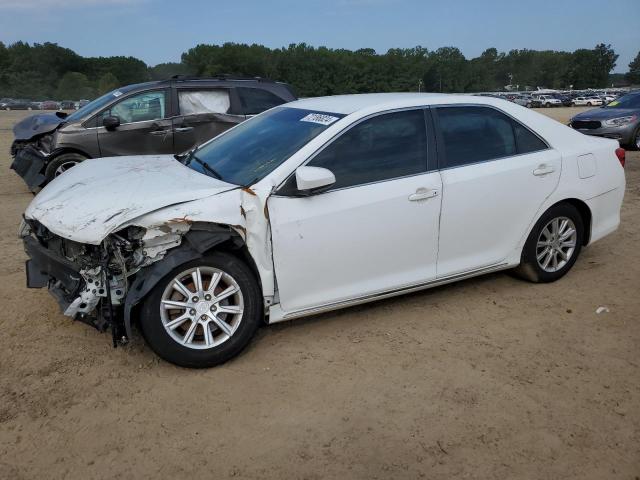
<point>90,282</point>
<point>30,159</point>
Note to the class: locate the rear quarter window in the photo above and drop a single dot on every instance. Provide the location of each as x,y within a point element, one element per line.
<point>255,100</point>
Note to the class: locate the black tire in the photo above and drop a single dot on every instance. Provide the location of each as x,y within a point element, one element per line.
<point>635,139</point>
<point>170,350</point>
<point>589,104</point>
<point>52,172</point>
<point>529,268</point>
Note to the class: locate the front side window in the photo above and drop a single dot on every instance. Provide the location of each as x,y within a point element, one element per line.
<point>254,148</point>
<point>475,134</point>
<point>193,102</point>
<point>255,100</point>
<point>384,147</point>
<point>142,107</point>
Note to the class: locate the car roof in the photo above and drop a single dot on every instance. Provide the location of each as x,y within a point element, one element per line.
<point>348,104</point>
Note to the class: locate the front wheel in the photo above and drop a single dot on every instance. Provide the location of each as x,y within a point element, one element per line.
<point>61,164</point>
<point>589,104</point>
<point>204,312</point>
<point>553,245</point>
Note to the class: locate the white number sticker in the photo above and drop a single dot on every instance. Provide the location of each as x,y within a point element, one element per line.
<point>117,93</point>
<point>320,118</point>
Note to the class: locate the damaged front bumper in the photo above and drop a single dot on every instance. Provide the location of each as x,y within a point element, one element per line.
<point>30,164</point>
<point>81,291</point>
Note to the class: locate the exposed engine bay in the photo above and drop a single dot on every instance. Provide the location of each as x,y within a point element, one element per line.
<point>91,282</point>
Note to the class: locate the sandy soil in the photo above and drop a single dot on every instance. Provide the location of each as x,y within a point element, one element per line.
<point>488,378</point>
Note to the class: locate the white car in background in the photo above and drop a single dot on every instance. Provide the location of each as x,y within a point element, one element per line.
<point>588,101</point>
<point>316,205</point>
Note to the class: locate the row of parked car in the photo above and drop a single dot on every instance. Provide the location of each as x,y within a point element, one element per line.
<point>22,104</point>
<point>559,99</point>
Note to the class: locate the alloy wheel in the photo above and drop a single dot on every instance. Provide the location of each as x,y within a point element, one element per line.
<point>201,307</point>
<point>63,167</point>
<point>556,244</point>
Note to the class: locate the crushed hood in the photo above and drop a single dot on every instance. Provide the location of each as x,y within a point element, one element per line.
<point>96,197</point>
<point>37,125</point>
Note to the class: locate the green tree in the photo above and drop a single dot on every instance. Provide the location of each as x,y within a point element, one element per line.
<point>107,82</point>
<point>633,76</point>
<point>73,86</point>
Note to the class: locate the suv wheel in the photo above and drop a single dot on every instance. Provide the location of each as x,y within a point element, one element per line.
<point>61,164</point>
<point>203,312</point>
<point>553,245</point>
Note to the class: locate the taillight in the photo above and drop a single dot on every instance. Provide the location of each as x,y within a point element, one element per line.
<point>620,153</point>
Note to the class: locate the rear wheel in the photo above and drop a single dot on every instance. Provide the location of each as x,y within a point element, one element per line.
<point>589,104</point>
<point>553,245</point>
<point>61,164</point>
<point>204,312</point>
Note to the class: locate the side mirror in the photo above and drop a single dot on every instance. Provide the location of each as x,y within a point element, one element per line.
<point>111,122</point>
<point>310,180</point>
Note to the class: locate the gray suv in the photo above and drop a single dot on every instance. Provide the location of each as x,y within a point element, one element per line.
<point>619,119</point>
<point>168,116</point>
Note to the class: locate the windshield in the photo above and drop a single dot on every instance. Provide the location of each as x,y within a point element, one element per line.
<point>631,100</point>
<point>253,149</point>
<point>96,104</point>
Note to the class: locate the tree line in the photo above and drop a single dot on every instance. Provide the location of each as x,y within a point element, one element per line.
<point>41,71</point>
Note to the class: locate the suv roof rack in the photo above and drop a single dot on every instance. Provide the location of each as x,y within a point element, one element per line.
<point>222,76</point>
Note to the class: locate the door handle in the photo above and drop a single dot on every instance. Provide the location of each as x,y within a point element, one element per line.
<point>159,132</point>
<point>423,194</point>
<point>183,129</point>
<point>543,169</point>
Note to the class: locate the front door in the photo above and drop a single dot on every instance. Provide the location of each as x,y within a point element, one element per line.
<point>144,126</point>
<point>496,174</point>
<point>376,229</point>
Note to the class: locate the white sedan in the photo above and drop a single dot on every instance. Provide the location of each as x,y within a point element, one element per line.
<point>316,205</point>
<point>588,101</point>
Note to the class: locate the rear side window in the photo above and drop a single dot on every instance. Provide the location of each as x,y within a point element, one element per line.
<point>384,147</point>
<point>526,140</point>
<point>193,102</point>
<point>254,100</point>
<point>475,134</point>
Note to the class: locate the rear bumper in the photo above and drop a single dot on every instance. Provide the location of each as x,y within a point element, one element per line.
<point>605,213</point>
<point>30,164</point>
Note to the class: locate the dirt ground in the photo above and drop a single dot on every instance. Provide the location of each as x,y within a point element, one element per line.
<point>487,378</point>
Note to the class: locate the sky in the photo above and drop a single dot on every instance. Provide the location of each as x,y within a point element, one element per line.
<point>159,31</point>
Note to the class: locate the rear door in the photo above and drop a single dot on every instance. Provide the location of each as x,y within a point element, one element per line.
<point>496,173</point>
<point>203,113</point>
<point>145,126</point>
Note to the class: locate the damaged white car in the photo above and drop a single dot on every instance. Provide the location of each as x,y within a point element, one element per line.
<point>317,205</point>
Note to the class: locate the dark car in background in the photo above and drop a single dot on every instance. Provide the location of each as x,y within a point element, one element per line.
<point>167,116</point>
<point>49,105</point>
<point>619,119</point>
<point>67,105</point>
<point>18,104</point>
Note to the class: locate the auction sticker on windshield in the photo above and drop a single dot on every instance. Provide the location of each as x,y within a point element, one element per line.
<point>320,118</point>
